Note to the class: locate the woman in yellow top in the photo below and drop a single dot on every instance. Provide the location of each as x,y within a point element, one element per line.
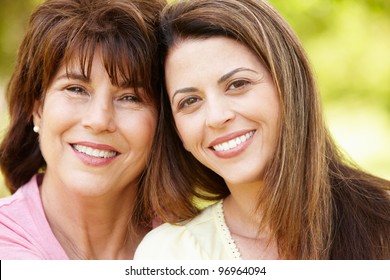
<point>241,123</point>
<point>83,111</point>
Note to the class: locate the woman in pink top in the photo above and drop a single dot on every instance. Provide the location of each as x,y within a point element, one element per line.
<point>82,104</point>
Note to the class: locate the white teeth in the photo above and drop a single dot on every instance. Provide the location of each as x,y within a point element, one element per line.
<point>225,146</point>
<point>232,144</point>
<point>94,152</point>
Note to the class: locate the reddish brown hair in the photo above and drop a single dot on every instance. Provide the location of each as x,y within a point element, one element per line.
<point>59,31</point>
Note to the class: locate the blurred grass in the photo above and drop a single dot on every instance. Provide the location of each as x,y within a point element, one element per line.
<point>348,43</point>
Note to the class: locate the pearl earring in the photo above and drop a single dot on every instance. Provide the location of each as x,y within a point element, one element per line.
<point>36,128</point>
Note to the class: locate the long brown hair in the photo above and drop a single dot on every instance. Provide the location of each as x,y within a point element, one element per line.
<point>318,205</point>
<point>58,31</point>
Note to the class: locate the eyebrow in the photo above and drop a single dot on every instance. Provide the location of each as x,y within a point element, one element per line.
<point>231,73</point>
<point>78,76</point>
<point>184,90</point>
<point>220,80</point>
<point>73,76</point>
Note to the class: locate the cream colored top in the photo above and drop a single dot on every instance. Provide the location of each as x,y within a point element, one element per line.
<point>206,237</point>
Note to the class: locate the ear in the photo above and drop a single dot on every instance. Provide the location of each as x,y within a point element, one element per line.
<point>37,113</point>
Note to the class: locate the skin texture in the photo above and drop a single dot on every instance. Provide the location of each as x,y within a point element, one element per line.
<point>220,92</point>
<point>87,191</point>
<point>313,201</point>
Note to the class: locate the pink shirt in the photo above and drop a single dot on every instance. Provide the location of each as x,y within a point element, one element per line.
<point>24,230</point>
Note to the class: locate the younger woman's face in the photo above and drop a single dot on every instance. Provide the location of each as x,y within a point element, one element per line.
<point>225,106</point>
<point>95,136</point>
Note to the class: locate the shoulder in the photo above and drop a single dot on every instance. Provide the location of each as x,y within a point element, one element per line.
<point>24,230</point>
<point>189,240</point>
<point>15,252</point>
<point>15,207</point>
<point>15,221</point>
<point>21,204</point>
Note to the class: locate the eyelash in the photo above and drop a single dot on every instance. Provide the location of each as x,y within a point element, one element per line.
<point>130,98</point>
<point>243,83</point>
<point>76,89</point>
<point>184,103</point>
<point>79,90</point>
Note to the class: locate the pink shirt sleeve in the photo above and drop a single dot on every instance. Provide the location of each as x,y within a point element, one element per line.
<point>24,231</point>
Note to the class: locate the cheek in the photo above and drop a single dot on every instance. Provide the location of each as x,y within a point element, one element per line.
<point>184,130</point>
<point>265,109</point>
<point>139,128</point>
<point>54,125</point>
<point>55,120</point>
<point>57,112</point>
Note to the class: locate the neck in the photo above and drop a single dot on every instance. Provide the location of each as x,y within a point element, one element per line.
<point>92,227</point>
<point>244,220</point>
<point>241,209</point>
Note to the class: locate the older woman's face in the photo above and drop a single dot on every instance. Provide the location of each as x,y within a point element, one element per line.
<point>225,107</point>
<point>94,136</point>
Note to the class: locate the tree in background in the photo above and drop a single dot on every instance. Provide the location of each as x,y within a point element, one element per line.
<point>13,20</point>
<point>348,43</point>
<point>14,16</point>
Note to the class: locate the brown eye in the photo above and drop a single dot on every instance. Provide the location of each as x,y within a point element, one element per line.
<point>130,98</point>
<point>238,84</point>
<point>76,90</point>
<point>189,101</point>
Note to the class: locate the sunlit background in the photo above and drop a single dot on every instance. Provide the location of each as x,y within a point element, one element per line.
<point>348,43</point>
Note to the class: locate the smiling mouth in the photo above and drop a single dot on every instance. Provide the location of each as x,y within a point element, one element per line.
<point>94,152</point>
<point>231,144</point>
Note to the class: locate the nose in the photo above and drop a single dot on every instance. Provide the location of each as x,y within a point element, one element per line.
<point>99,117</point>
<point>219,111</point>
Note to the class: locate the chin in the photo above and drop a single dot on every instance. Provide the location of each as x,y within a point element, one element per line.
<point>243,180</point>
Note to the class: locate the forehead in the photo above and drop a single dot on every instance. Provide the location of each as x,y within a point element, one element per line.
<point>208,57</point>
<point>217,48</point>
<point>119,69</point>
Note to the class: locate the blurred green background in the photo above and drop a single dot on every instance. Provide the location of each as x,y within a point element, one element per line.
<point>348,43</point>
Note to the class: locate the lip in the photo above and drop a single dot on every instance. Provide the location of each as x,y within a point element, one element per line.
<point>96,146</point>
<point>232,152</point>
<point>93,160</point>
<point>229,136</point>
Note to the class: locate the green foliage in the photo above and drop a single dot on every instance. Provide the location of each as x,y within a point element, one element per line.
<point>348,43</point>
<point>13,20</point>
